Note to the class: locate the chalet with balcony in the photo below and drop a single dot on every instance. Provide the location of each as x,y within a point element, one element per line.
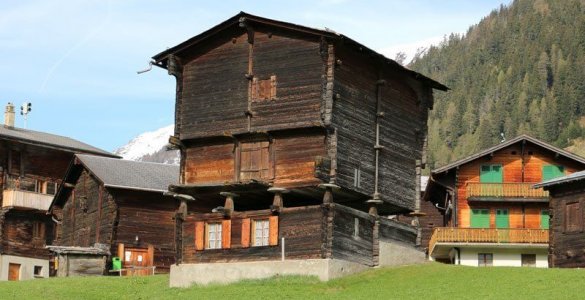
<point>32,165</point>
<point>492,215</point>
<point>293,142</point>
<point>566,206</point>
<point>109,207</point>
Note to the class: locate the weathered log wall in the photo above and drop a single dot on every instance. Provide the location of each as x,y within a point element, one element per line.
<point>17,233</point>
<point>299,226</point>
<point>216,97</point>
<point>357,88</point>
<point>88,215</point>
<point>353,236</point>
<point>150,217</point>
<point>566,246</point>
<point>293,159</point>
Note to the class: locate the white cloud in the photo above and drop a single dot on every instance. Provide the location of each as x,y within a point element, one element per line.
<point>409,48</point>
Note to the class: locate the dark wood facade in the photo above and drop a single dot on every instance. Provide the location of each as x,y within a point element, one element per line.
<point>91,212</point>
<point>300,131</point>
<point>32,165</point>
<point>567,240</point>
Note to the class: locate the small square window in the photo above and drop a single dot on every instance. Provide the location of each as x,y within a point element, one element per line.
<point>528,260</point>
<point>264,89</point>
<point>261,232</point>
<point>38,270</point>
<point>485,259</point>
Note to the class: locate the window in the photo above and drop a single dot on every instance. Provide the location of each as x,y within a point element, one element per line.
<point>485,259</point>
<point>261,232</point>
<point>491,174</point>
<point>480,218</point>
<point>38,231</point>
<point>38,270</point>
<point>572,217</point>
<point>264,89</point>
<point>550,172</point>
<point>528,260</point>
<point>544,219</point>
<point>213,236</point>
<point>255,161</point>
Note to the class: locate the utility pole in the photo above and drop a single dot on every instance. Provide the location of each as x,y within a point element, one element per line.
<point>25,110</point>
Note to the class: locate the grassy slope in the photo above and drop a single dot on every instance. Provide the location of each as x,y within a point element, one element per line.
<point>430,281</point>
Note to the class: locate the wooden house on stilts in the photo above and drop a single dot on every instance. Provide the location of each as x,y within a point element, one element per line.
<point>294,142</point>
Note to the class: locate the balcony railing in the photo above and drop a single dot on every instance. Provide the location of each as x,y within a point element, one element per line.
<point>488,235</point>
<point>504,190</point>
<point>26,199</point>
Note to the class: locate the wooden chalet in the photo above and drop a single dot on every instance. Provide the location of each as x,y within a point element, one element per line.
<point>567,240</point>
<point>32,165</point>
<point>289,132</point>
<point>114,208</point>
<point>492,215</point>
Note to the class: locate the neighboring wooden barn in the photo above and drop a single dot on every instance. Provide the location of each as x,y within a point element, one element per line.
<point>567,203</point>
<point>493,217</point>
<point>32,164</point>
<point>119,204</point>
<point>292,132</point>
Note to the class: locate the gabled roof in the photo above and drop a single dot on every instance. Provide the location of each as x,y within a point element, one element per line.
<point>49,140</point>
<point>505,144</point>
<point>119,174</point>
<point>128,174</point>
<point>577,176</point>
<point>160,59</point>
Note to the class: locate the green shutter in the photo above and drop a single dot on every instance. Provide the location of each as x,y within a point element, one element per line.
<point>551,172</point>
<point>491,174</point>
<point>502,218</point>
<point>544,219</point>
<point>480,218</point>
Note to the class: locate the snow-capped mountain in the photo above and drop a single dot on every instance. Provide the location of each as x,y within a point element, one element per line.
<point>151,146</point>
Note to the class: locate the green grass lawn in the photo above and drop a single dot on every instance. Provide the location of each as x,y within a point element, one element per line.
<point>427,281</point>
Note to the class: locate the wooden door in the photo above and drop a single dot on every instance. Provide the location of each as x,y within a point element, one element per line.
<point>13,272</point>
<point>503,222</point>
<point>138,261</point>
<point>491,177</point>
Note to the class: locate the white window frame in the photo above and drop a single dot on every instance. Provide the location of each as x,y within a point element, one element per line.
<point>261,231</point>
<point>214,235</point>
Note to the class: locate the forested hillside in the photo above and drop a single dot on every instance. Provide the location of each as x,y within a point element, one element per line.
<point>520,70</point>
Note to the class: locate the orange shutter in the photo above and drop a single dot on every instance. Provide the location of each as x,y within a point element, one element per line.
<point>246,232</point>
<point>273,223</point>
<point>226,234</point>
<point>199,235</point>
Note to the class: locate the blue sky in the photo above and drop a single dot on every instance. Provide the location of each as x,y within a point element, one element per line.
<point>76,61</point>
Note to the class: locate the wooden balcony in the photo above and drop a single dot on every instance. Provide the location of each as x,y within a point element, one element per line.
<point>26,199</point>
<point>508,191</point>
<point>453,235</point>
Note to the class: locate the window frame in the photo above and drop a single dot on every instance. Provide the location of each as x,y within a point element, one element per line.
<point>577,214</point>
<point>265,238</point>
<point>218,237</point>
<point>483,261</point>
<point>525,263</point>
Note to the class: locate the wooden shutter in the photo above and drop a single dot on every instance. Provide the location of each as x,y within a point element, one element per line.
<point>199,235</point>
<point>255,162</point>
<point>544,219</point>
<point>246,233</point>
<point>572,217</point>
<point>226,234</point>
<point>272,87</point>
<point>273,224</point>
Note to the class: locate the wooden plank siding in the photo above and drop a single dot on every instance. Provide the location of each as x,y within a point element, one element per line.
<point>566,246</point>
<point>301,242</point>
<point>525,215</point>
<point>18,236</point>
<point>293,153</point>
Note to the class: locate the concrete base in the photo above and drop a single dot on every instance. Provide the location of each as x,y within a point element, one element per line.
<point>185,275</point>
<point>27,267</point>
<point>393,253</point>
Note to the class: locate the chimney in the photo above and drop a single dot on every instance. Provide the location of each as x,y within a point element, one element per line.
<point>9,115</point>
